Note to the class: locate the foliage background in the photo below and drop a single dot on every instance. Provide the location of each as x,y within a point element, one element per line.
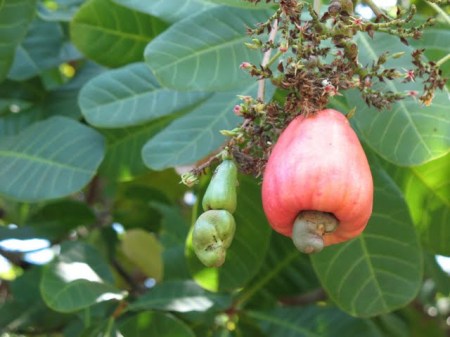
<point>104,102</point>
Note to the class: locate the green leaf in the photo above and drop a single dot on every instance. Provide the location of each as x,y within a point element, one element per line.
<point>313,321</point>
<point>77,278</point>
<point>427,192</point>
<point>43,48</point>
<point>170,11</point>
<point>154,324</point>
<point>409,134</point>
<point>15,17</point>
<point>112,35</point>
<point>250,244</point>
<point>203,52</point>
<point>144,250</point>
<point>380,270</point>
<point>130,96</point>
<point>180,296</point>
<point>49,159</point>
<point>196,134</point>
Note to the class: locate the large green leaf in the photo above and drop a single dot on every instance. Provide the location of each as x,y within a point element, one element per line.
<point>427,192</point>
<point>170,11</point>
<point>78,278</point>
<point>203,52</point>
<point>380,270</point>
<point>112,35</point>
<point>250,244</point>
<point>129,96</point>
<point>15,16</point>
<point>409,134</point>
<point>144,250</point>
<point>154,324</point>
<point>180,296</point>
<point>313,321</point>
<point>196,134</point>
<point>49,159</point>
<point>44,47</point>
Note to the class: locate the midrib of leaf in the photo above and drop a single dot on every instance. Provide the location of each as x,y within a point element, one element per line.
<point>279,322</point>
<point>41,160</point>
<point>131,36</point>
<point>372,274</point>
<point>204,51</point>
<point>391,85</point>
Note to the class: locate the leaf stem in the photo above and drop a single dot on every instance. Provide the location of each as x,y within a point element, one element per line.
<point>246,295</point>
<point>266,59</point>
<point>439,10</point>
<point>443,60</point>
<point>274,58</point>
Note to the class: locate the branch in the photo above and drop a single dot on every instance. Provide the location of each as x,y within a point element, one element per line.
<point>305,299</point>
<point>136,287</point>
<point>266,59</point>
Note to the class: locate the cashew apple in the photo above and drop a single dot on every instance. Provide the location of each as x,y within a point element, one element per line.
<point>317,186</point>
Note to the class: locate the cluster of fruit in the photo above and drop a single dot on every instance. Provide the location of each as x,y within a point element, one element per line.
<point>214,229</point>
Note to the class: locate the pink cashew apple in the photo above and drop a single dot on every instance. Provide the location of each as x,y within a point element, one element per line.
<point>317,185</point>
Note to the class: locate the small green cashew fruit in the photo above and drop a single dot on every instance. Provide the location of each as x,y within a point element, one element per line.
<point>212,235</point>
<point>221,191</point>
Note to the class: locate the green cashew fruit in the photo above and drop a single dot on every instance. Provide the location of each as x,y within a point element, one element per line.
<point>221,191</point>
<point>212,235</point>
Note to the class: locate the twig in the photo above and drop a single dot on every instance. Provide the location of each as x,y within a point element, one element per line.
<point>440,11</point>
<point>266,59</point>
<point>305,299</point>
<point>136,287</point>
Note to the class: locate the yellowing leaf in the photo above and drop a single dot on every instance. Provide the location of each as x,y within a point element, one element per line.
<point>145,251</point>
